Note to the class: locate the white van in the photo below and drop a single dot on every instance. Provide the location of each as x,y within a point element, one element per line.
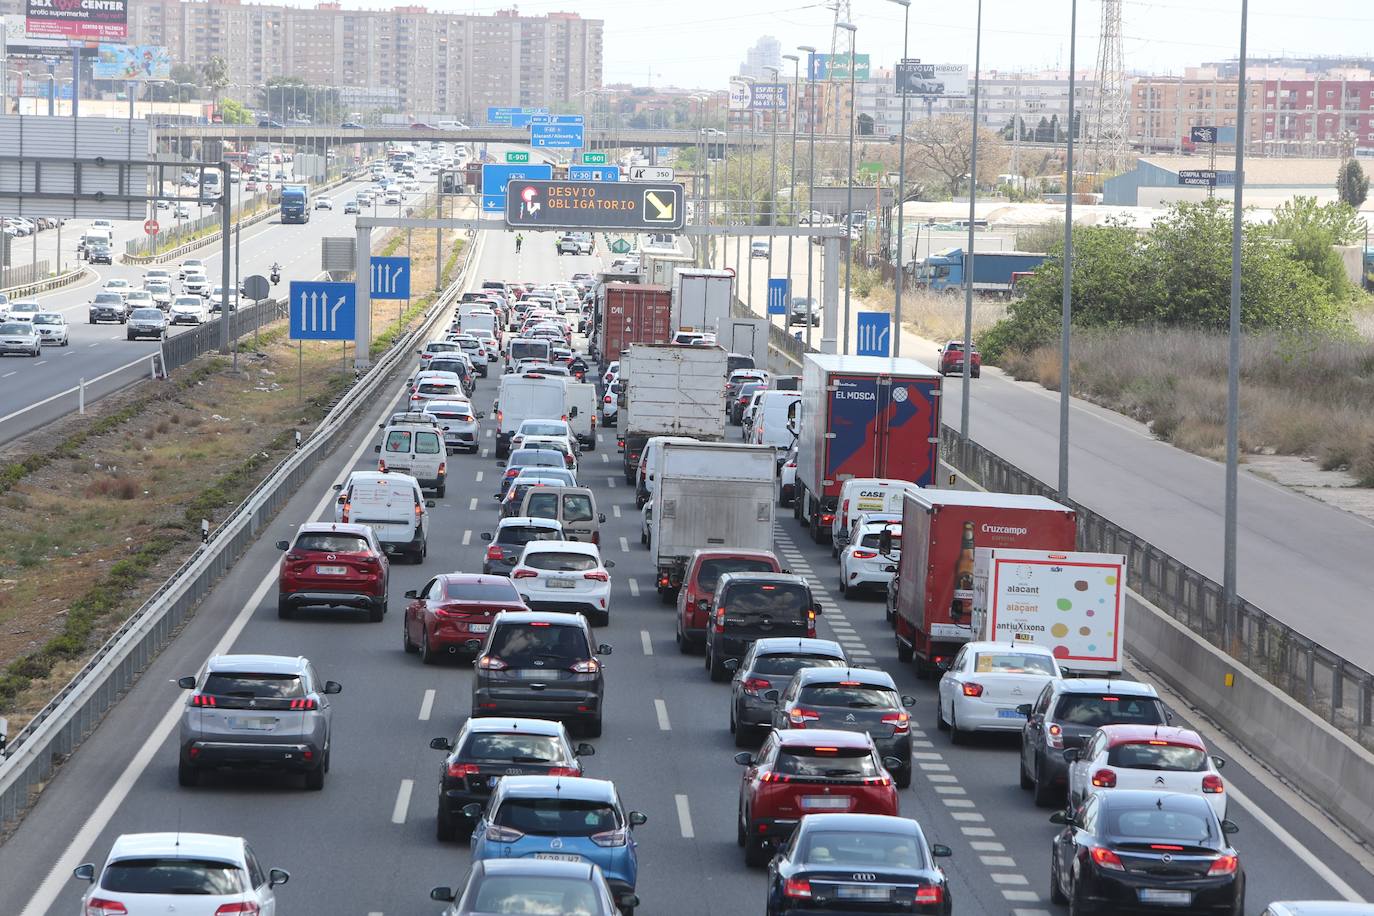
<point>527,396</point>
<point>648,460</point>
<point>865,494</point>
<point>417,450</point>
<point>771,416</point>
<point>392,505</point>
<point>582,401</point>
<point>529,348</point>
<point>479,320</point>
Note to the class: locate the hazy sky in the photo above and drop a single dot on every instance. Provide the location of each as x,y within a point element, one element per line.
<point>699,43</point>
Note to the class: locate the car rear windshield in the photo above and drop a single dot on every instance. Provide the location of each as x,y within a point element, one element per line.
<point>331,542</point>
<point>851,696</point>
<point>557,816</point>
<point>874,538</point>
<point>543,429</point>
<point>428,444</point>
<point>1012,663</point>
<point>1158,755</point>
<point>555,561</point>
<point>520,644</point>
<point>258,686</point>
<point>450,413</point>
<point>512,748</point>
<point>200,877</point>
<point>1093,710</point>
<point>439,388</point>
<point>441,347</point>
<point>1154,823</point>
<point>539,457</point>
<point>398,440</point>
<point>861,849</point>
<point>790,664</point>
<point>781,600</point>
<point>501,590</point>
<point>15,328</point>
<point>456,366</point>
<point>530,895</point>
<point>108,298</point>
<point>152,313</point>
<point>819,761</point>
<point>518,536</point>
<point>711,570</point>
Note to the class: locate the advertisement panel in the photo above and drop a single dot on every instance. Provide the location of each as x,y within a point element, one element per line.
<point>132,62</point>
<point>827,66</point>
<point>739,94</point>
<point>89,20</point>
<point>769,97</point>
<point>916,78</point>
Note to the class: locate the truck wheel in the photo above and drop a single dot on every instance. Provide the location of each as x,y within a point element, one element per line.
<point>904,654</point>
<point>666,596</point>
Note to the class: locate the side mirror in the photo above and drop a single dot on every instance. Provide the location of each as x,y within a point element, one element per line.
<point>332,687</point>
<point>584,750</point>
<point>730,664</point>
<point>885,542</point>
<point>338,487</point>
<point>609,564</point>
<point>940,851</point>
<point>411,593</point>
<point>278,876</point>
<point>637,819</point>
<point>442,894</point>
<point>908,701</point>
<point>771,695</point>
<point>283,545</point>
<point>601,517</point>
<point>943,664</point>
<point>1024,709</point>
<point>440,744</point>
<point>472,811</point>
<point>1071,754</point>
<point>429,504</point>
<point>1218,762</point>
<point>187,683</point>
<point>496,496</point>
<point>485,535</point>
<point>84,872</point>
<point>1230,827</point>
<point>481,415</point>
<point>892,763</point>
<point>572,412</point>
<point>817,609</point>
<point>1062,817</point>
<point>703,605</point>
<point>744,759</point>
<point>377,449</point>
<point>500,464</point>
<point>603,649</point>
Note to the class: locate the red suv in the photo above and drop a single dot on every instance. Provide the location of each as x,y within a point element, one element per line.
<point>952,360</point>
<point>704,569</point>
<point>452,614</point>
<point>797,773</point>
<point>333,564</point>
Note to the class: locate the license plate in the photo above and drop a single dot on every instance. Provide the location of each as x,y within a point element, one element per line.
<point>256,723</point>
<point>1009,714</point>
<point>478,627</point>
<point>558,856</point>
<point>825,803</point>
<point>859,892</point>
<point>331,570</point>
<point>1166,897</point>
<point>561,583</point>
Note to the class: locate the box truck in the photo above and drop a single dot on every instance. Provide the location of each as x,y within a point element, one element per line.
<point>1071,603</point>
<point>931,599</point>
<point>670,391</point>
<point>994,272</point>
<point>527,397</point>
<point>862,416</point>
<point>701,298</point>
<point>631,314</point>
<point>709,494</point>
<point>742,337</point>
<point>660,266</point>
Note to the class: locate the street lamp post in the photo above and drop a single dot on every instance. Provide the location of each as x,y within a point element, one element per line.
<point>849,183</point>
<point>773,182</point>
<point>1066,305</point>
<point>810,177</point>
<point>901,191</point>
<point>972,197</point>
<point>792,181</point>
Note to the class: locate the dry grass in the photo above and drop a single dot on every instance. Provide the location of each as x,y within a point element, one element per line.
<point>1307,398</point>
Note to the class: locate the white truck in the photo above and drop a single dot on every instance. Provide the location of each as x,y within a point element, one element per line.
<point>744,337</point>
<point>701,298</point>
<point>659,267</point>
<point>670,390</point>
<point>1072,603</point>
<point>709,494</point>
<point>527,396</point>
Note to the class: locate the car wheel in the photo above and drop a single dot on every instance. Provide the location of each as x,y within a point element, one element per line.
<point>406,645</point>
<point>427,655</point>
<point>1056,892</point>
<point>940,722</point>
<point>976,373</point>
<point>592,729</point>
<point>66,342</point>
<point>314,779</point>
<point>1076,905</point>
<point>755,852</point>
<point>442,489</point>
<point>90,321</point>
<point>444,829</point>
<point>905,654</point>
<point>129,337</point>
<point>1044,794</point>
<point>1026,782</point>
<point>599,618</point>
<point>718,670</point>
<point>377,611</point>
<point>643,538</point>
<point>187,775</point>
<point>283,609</point>
<point>903,777</point>
<point>956,734</point>
<point>741,834</point>
<point>844,589</point>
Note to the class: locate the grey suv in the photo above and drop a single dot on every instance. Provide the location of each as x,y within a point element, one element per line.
<point>107,307</point>
<point>541,664</point>
<point>256,712</point>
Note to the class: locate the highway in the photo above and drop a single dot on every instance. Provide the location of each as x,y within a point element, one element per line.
<point>366,844</point>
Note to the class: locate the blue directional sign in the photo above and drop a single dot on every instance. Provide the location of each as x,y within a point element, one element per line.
<point>390,278</point>
<point>557,119</point>
<point>495,178</point>
<point>503,116</point>
<point>874,334</point>
<point>523,116</point>
<point>593,173</point>
<point>777,295</point>
<point>322,311</point>
<point>556,136</point>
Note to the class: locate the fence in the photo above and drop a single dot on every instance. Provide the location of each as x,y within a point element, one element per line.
<point>1313,675</point>
<point>179,350</point>
<point>24,274</point>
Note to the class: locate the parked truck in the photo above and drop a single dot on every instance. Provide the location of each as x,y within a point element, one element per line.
<point>670,391</point>
<point>709,494</point>
<point>994,272</point>
<point>701,298</point>
<point>632,314</point>
<point>295,203</point>
<point>862,416</point>
<point>931,598</point>
<point>1071,603</point>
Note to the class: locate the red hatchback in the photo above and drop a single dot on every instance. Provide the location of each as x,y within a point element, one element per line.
<point>333,564</point>
<point>797,773</point>
<point>704,569</point>
<point>952,360</point>
<point>452,614</point>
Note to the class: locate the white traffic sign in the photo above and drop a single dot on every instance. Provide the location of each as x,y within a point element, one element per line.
<point>650,173</point>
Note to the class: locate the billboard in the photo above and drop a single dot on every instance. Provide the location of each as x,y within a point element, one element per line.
<point>916,78</point>
<point>132,62</point>
<point>747,96</point>
<point>90,20</point>
<point>827,66</point>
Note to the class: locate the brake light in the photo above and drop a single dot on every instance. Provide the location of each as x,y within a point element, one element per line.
<point>443,468</point>
<point>245,908</point>
<point>564,771</point>
<point>798,717</point>
<point>596,538</point>
<point>1105,858</point>
<point>1054,737</point>
<point>797,887</point>
<point>774,777</point>
<point>597,575</point>
<point>568,460</point>
<point>347,507</point>
<point>606,399</point>
<point>861,553</point>
<point>523,574</point>
<point>1224,865</point>
<point>932,893</point>
<point>1105,779</point>
<point>491,663</point>
<point>973,690</point>
<point>1212,784</point>
<point>419,509</point>
<point>304,704</point>
<point>201,699</point>
<point>844,509</point>
<point>459,770</point>
<point>752,685</point>
<point>494,553</point>
<point>615,837</point>
<point>827,518</point>
<point>511,472</point>
<point>99,906</point>
<point>381,465</point>
<point>503,834</point>
<point>720,620</point>
<point>900,721</point>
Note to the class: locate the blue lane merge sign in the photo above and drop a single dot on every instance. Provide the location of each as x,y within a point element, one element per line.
<point>777,295</point>
<point>322,311</point>
<point>390,278</point>
<point>874,336</point>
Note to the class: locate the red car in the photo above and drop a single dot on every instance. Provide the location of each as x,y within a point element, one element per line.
<point>797,773</point>
<point>452,614</point>
<point>952,360</point>
<point>333,564</point>
<point>704,568</point>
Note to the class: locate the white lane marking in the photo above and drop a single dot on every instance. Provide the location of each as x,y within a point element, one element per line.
<point>624,546</point>
<point>488,433</point>
<point>1021,896</point>
<point>987,846</point>
<point>41,362</point>
<point>634,587</point>
<point>1005,878</point>
<point>661,708</point>
<point>478,478</point>
<point>8,374</point>
<point>398,811</point>
<point>950,790</point>
<point>1018,911</point>
<point>647,642</point>
<point>998,861</point>
<point>977,831</point>
<point>472,505</point>
<point>684,817</point>
<point>96,344</point>
<point>615,510</point>
<point>972,817</point>
<point>941,777</point>
<point>467,537</point>
<point>610,482</point>
<point>427,705</point>
<point>957,802</point>
<point>484,453</point>
<point>605,457</point>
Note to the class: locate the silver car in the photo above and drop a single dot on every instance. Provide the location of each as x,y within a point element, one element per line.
<point>256,712</point>
<point>458,422</point>
<point>19,337</point>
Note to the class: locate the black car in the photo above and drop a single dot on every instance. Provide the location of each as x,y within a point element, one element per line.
<point>99,254</point>
<point>1136,851</point>
<point>750,606</point>
<point>857,863</point>
<point>487,749</point>
<point>742,399</point>
<point>770,664</point>
<point>1065,714</point>
<point>529,885</point>
<point>804,310</point>
<point>350,125</point>
<point>510,539</point>
<point>543,665</point>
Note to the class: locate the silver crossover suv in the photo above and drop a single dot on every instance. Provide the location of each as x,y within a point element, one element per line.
<point>256,712</point>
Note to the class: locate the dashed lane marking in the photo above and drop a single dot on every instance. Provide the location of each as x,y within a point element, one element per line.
<point>426,705</point>
<point>478,478</point>
<point>684,817</point>
<point>467,537</point>
<point>661,709</point>
<point>634,587</point>
<point>615,510</point>
<point>624,545</point>
<point>398,811</point>
<point>472,505</point>
<point>647,642</point>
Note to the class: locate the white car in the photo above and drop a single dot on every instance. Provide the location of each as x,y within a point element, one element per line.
<point>986,683</point>
<point>217,298</point>
<point>182,212</point>
<point>324,203</point>
<point>862,564</point>
<point>19,337</point>
<point>118,285</point>
<point>610,404</point>
<point>558,428</point>
<point>564,445</point>
<point>195,284</point>
<point>787,479</point>
<point>161,291</point>
<point>1156,758</point>
<point>24,310</point>
<point>157,275</point>
<point>565,576</point>
<point>51,328</point>
<point>392,197</point>
<point>191,265</point>
<point>188,310</point>
<point>189,873</point>
<point>139,299</point>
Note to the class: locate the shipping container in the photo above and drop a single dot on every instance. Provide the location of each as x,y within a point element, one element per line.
<point>631,314</point>
<point>931,603</point>
<point>701,298</point>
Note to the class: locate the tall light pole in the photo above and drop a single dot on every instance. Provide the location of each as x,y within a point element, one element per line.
<point>773,181</point>
<point>792,178</point>
<point>972,197</point>
<point>901,190</point>
<point>810,176</point>
<point>1233,350</point>
<point>1066,306</point>
<point>849,182</point>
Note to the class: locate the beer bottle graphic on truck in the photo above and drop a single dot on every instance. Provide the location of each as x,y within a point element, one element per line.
<point>962,605</point>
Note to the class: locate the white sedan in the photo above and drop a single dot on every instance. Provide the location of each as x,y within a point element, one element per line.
<point>863,565</point>
<point>188,310</point>
<point>787,480</point>
<point>986,683</point>
<point>51,328</point>
<point>1157,758</point>
<point>118,285</point>
<point>565,576</point>
<point>19,337</point>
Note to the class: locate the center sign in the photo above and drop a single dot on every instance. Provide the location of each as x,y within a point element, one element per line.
<point>593,205</point>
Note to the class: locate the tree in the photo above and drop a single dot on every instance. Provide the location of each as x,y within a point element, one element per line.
<point>214,74</point>
<point>232,112</point>
<point>1352,184</point>
<point>1312,231</point>
<point>944,147</point>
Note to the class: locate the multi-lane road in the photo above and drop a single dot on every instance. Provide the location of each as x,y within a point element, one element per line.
<point>366,845</point>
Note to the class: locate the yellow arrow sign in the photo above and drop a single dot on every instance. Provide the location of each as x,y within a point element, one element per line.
<point>664,210</point>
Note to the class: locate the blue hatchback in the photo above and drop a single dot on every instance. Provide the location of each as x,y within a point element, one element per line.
<point>560,819</point>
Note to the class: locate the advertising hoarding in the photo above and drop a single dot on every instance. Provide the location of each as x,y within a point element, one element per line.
<point>88,20</point>
<point>132,62</point>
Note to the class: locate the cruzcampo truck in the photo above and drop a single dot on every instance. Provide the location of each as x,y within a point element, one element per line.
<point>862,416</point>
<point>931,598</point>
<point>295,203</point>
<point>994,272</point>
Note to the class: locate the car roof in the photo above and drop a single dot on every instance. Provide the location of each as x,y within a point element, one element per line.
<point>581,787</point>
<point>191,845</point>
<point>1134,734</point>
<point>749,578</point>
<point>786,645</point>
<point>536,867</point>
<point>1147,798</point>
<point>582,547</point>
<point>1319,908</point>
<point>526,521</point>
<point>884,823</point>
<point>342,527</point>
<point>822,737</point>
<point>868,677</point>
<point>264,664</point>
<point>462,578</point>
<point>553,618</point>
<point>1028,648</point>
<point>501,726</point>
<point>750,553</point>
<point>1104,685</point>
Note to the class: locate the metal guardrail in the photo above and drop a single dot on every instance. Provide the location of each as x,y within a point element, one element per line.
<point>179,350</point>
<point>1340,692</point>
<point>42,286</point>
<point>52,735</point>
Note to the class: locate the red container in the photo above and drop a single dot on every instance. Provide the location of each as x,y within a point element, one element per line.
<point>630,314</point>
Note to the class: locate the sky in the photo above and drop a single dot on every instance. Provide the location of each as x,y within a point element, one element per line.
<point>698,44</point>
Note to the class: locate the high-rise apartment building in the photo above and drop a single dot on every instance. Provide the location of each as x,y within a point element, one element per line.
<point>766,52</point>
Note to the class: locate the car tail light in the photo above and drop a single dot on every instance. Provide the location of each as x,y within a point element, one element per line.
<point>1105,858</point>
<point>973,690</point>
<point>1105,779</point>
<point>753,685</point>
<point>1054,737</point>
<point>511,472</point>
<point>616,837</point>
<point>596,538</point>
<point>495,553</point>
<point>491,663</point>
<point>347,507</point>
<point>861,553</point>
<point>381,465</point>
<point>419,509</point>
<point>586,666</point>
<point>245,908</point>
<point>797,887</point>
<point>798,717</point>
<point>99,906</point>
<point>1224,865</point>
<point>568,460</point>
<point>827,518</point>
<point>606,399</point>
<point>720,620</point>
<point>900,722</point>
<point>503,834</point>
<point>774,777</point>
<point>1212,784</point>
<point>877,780</point>
<point>202,699</point>
<point>523,574</point>
<point>598,575</point>
<point>443,470</point>
<point>931,893</point>
<point>459,770</point>
<point>564,771</point>
<point>304,704</point>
